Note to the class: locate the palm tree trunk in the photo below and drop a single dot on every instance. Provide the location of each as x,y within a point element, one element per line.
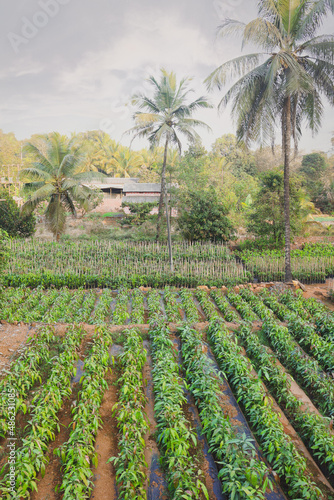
<point>162,194</point>
<point>286,143</point>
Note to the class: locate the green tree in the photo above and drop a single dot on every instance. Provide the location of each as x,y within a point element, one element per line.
<point>57,175</point>
<point>11,219</point>
<point>203,217</point>
<point>166,114</point>
<point>285,88</point>
<point>234,156</point>
<point>313,167</point>
<point>140,213</point>
<point>266,219</point>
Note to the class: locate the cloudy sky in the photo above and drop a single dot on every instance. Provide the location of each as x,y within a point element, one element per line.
<point>72,65</point>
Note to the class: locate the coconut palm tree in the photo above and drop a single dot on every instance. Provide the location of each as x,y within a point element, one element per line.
<point>125,163</point>
<point>166,114</point>
<point>57,175</point>
<point>283,86</point>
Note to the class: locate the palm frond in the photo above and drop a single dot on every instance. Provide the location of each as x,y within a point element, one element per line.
<point>232,69</point>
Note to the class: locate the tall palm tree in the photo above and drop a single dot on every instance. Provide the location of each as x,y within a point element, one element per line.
<point>284,85</point>
<point>164,116</point>
<point>56,176</point>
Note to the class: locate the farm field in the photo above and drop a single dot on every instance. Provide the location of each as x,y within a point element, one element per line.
<point>121,394</point>
<point>102,264</point>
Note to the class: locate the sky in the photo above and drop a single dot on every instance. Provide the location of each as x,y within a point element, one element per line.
<point>73,65</point>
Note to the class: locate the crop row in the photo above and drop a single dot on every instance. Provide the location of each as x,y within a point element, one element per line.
<point>278,448</point>
<point>31,457</point>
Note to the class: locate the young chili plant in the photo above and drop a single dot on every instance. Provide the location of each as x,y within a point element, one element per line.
<point>78,453</point>
<point>175,434</point>
<point>132,423</point>
<point>241,474</point>
<point>277,446</point>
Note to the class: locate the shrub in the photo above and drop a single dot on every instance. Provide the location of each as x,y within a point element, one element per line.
<point>203,217</point>
<point>11,219</point>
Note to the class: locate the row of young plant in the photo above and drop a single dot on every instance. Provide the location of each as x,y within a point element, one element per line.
<point>278,448</point>
<point>175,435</point>
<point>78,453</point>
<point>121,313</point>
<point>241,474</point>
<point>307,370</point>
<point>310,309</point>
<point>224,306</point>
<point>189,306</point>
<point>130,464</point>
<point>291,310</point>
<point>31,457</point>
<point>138,308</point>
<point>22,375</point>
<point>314,429</point>
<point>171,306</point>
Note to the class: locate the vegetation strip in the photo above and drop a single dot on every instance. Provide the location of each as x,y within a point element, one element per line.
<point>171,306</point>
<point>313,428</point>
<point>138,309</point>
<point>31,456</point>
<point>256,304</point>
<point>102,310</point>
<point>78,453</point>
<point>175,435</point>
<point>241,474</point>
<point>154,306</point>
<point>306,370</point>
<point>23,374</point>
<point>59,307</point>
<point>121,313</point>
<point>242,307</point>
<point>224,306</point>
<point>130,463</point>
<point>206,304</point>
<point>278,448</point>
<point>191,311</point>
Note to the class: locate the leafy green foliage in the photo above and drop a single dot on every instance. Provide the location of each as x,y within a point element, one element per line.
<point>171,306</point>
<point>78,453</point>
<point>132,422</point>
<point>175,435</point>
<point>203,217</point>
<point>206,304</point>
<point>313,428</point>
<point>12,221</point>
<point>121,314</point>
<point>305,369</point>
<point>242,475</point>
<point>191,311</point>
<point>223,305</point>
<point>24,373</point>
<point>138,310</point>
<point>140,213</point>
<point>278,448</point>
<point>31,457</point>
<point>242,307</point>
<point>266,219</point>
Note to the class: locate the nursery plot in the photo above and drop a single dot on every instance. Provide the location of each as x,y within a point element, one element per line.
<point>120,412</point>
